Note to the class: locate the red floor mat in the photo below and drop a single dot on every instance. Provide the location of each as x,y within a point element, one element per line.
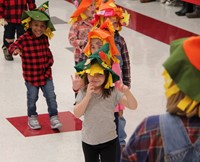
<point>69,121</point>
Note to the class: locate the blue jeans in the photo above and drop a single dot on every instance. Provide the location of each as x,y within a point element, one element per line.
<point>121,130</point>
<point>48,93</point>
<point>176,141</point>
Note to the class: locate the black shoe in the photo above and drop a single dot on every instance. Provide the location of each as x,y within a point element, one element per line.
<point>7,56</point>
<point>195,14</point>
<point>187,8</point>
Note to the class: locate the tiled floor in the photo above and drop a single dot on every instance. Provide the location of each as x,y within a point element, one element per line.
<point>153,25</point>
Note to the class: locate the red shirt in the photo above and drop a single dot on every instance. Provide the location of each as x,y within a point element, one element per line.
<point>11,10</point>
<point>37,58</point>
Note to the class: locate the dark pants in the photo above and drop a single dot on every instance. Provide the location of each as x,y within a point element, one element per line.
<point>9,32</point>
<point>118,149</point>
<point>106,151</point>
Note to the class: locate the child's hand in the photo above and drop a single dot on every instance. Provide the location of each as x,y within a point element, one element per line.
<point>90,90</point>
<point>120,113</point>
<point>17,52</point>
<point>3,22</point>
<point>122,88</point>
<point>77,82</point>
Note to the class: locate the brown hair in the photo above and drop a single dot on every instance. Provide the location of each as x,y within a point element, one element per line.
<point>172,108</point>
<point>105,92</point>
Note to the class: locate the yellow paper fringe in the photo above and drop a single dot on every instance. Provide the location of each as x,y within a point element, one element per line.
<point>109,82</point>
<point>49,33</point>
<point>172,90</point>
<point>96,69</point>
<point>126,18</point>
<point>184,103</point>
<point>72,20</point>
<point>25,22</point>
<point>83,16</point>
<point>191,107</point>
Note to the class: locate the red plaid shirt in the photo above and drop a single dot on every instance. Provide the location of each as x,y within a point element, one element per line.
<point>37,58</point>
<point>11,10</point>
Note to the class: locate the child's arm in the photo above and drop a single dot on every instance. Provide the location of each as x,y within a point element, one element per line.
<point>80,108</point>
<point>15,48</point>
<point>128,100</point>
<point>77,83</point>
<point>17,52</point>
<point>126,68</point>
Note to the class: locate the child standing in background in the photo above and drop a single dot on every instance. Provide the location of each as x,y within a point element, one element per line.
<point>98,37</point>
<point>10,18</point>
<point>97,101</point>
<point>81,26</point>
<point>37,59</point>
<point>118,17</point>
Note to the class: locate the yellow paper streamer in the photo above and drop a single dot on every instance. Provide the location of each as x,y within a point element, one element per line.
<point>191,107</point>
<point>109,82</point>
<point>172,90</point>
<point>83,16</point>
<point>184,103</point>
<point>125,20</point>
<point>96,69</point>
<point>25,22</point>
<point>49,33</point>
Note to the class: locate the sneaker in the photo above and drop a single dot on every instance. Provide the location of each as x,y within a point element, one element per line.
<point>195,14</point>
<point>55,123</point>
<point>7,56</point>
<point>33,122</point>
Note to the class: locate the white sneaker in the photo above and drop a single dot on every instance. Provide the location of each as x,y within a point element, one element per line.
<point>55,123</point>
<point>33,122</point>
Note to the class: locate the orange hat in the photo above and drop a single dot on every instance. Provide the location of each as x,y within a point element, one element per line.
<point>107,4</point>
<point>109,9</point>
<point>106,33</point>
<point>97,4</point>
<point>84,4</point>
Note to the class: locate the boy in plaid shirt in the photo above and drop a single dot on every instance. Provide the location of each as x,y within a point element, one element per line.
<point>10,18</point>
<point>37,59</point>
